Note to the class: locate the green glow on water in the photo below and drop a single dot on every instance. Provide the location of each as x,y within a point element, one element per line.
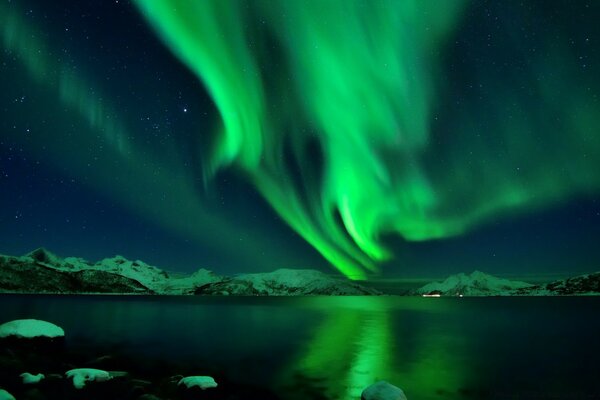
<point>357,344</point>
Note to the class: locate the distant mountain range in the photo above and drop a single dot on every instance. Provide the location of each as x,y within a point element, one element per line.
<point>481,284</point>
<point>43,272</point>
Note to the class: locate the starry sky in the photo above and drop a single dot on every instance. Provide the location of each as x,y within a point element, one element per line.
<point>369,139</point>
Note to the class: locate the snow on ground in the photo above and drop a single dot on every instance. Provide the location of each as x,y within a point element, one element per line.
<point>203,382</point>
<point>383,390</point>
<point>29,379</point>
<point>4,395</point>
<point>475,284</point>
<point>30,328</point>
<point>81,376</point>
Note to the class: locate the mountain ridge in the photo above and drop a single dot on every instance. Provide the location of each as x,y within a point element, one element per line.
<point>41,271</point>
<point>481,284</point>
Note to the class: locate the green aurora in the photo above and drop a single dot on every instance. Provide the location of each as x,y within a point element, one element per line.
<point>362,79</point>
<point>344,117</point>
<point>120,158</point>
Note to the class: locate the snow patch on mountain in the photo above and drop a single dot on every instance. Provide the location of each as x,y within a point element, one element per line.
<point>286,282</point>
<point>475,284</point>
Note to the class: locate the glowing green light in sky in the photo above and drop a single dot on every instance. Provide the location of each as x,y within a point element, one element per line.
<point>343,115</point>
<point>362,79</point>
<point>106,154</point>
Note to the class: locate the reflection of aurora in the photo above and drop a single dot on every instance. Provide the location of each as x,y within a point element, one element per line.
<point>356,345</point>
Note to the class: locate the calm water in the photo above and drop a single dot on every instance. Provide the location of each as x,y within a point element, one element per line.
<point>332,347</point>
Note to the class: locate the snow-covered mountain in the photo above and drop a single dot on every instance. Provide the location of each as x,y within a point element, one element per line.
<point>286,282</point>
<point>475,284</point>
<point>43,272</point>
<point>480,284</point>
<point>582,285</point>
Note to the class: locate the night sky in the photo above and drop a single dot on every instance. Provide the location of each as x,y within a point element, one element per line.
<point>372,139</point>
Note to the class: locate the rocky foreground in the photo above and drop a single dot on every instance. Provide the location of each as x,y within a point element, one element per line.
<point>481,284</point>
<point>38,363</point>
<point>43,272</point>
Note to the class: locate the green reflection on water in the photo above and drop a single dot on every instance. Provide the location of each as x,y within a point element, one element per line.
<point>358,343</point>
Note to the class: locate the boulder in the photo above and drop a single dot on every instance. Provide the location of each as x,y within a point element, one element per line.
<point>29,379</point>
<point>203,382</point>
<point>30,328</point>
<point>4,395</point>
<point>81,376</point>
<point>383,390</point>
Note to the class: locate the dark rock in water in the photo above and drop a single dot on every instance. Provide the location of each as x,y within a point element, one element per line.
<point>34,394</point>
<point>34,354</point>
<point>383,390</point>
<point>102,362</point>
<point>148,397</point>
<point>229,392</point>
<point>145,379</point>
<point>117,389</point>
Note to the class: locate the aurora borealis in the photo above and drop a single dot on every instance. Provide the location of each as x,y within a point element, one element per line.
<point>367,128</point>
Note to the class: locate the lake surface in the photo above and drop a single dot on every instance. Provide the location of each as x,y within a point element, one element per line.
<point>333,347</point>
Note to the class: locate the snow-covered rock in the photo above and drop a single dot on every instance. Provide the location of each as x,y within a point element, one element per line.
<point>81,376</point>
<point>383,390</point>
<point>203,382</point>
<point>29,379</point>
<point>4,395</point>
<point>285,282</point>
<point>30,328</point>
<point>475,284</point>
